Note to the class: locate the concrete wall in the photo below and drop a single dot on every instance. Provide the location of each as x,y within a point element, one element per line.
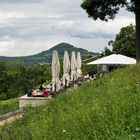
<point>25,101</point>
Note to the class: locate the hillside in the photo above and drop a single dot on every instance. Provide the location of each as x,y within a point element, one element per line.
<point>46,56</point>
<point>108,108</point>
<point>8,105</point>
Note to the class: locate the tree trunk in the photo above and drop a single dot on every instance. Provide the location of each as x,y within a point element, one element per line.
<point>137,13</point>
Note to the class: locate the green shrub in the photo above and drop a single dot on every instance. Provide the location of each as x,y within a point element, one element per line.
<point>8,106</point>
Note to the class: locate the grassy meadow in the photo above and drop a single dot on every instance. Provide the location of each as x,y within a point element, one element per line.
<point>8,105</point>
<point>105,109</point>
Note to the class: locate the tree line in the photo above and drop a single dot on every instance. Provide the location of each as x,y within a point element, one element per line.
<point>124,42</point>
<point>16,79</point>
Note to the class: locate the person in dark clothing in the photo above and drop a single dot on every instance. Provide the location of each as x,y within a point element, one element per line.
<point>30,93</point>
<point>41,87</point>
<point>51,87</point>
<point>91,73</point>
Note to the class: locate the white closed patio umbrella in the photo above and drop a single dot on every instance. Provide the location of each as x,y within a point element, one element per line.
<point>66,69</point>
<point>79,63</point>
<point>55,71</point>
<point>73,67</point>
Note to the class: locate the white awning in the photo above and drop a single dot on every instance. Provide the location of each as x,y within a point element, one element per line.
<point>114,59</point>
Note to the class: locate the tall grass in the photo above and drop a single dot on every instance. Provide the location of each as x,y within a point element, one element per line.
<point>105,109</point>
<point>8,105</point>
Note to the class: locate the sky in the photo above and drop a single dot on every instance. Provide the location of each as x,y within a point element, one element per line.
<point>30,26</point>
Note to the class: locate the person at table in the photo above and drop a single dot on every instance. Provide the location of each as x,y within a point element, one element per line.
<point>45,92</point>
<point>30,94</point>
<point>41,87</point>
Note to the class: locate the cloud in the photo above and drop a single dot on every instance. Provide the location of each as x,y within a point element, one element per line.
<point>20,1</point>
<point>28,47</point>
<point>30,26</point>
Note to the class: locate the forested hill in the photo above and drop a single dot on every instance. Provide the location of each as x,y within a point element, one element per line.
<point>46,56</point>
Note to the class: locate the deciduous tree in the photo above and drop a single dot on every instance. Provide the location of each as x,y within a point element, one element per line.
<point>125,41</point>
<point>107,9</point>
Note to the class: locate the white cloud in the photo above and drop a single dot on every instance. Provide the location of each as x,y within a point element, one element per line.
<point>19,1</point>
<point>28,27</point>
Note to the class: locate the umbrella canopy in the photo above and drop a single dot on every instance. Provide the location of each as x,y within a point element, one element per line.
<point>55,71</point>
<point>66,69</point>
<point>115,59</point>
<point>79,63</point>
<point>73,67</point>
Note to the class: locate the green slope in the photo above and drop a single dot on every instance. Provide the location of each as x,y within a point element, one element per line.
<point>8,105</point>
<point>45,57</point>
<point>106,109</point>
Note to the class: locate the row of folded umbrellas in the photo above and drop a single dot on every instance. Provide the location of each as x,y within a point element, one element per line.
<point>71,69</point>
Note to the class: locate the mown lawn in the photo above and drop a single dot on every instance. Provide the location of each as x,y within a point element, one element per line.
<point>8,105</point>
<point>105,109</point>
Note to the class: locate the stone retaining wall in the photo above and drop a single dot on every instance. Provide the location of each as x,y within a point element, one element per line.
<point>25,101</point>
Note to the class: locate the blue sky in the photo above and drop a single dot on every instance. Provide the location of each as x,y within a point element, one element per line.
<point>31,26</point>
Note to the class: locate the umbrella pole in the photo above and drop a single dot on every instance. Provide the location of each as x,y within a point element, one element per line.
<point>65,83</point>
<point>55,87</point>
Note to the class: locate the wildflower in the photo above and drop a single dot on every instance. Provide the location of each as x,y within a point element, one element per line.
<point>64,131</point>
<point>138,83</point>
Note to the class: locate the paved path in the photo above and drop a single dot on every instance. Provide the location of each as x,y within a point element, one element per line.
<point>11,116</point>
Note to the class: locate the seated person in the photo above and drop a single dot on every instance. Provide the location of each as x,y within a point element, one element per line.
<point>50,87</point>
<point>41,87</point>
<point>79,82</point>
<point>94,77</point>
<point>71,83</point>
<point>30,93</point>
<point>45,92</point>
<point>82,78</point>
<point>62,87</point>
<point>91,73</point>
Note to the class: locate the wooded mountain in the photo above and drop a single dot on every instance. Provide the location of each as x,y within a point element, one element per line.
<point>45,57</point>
